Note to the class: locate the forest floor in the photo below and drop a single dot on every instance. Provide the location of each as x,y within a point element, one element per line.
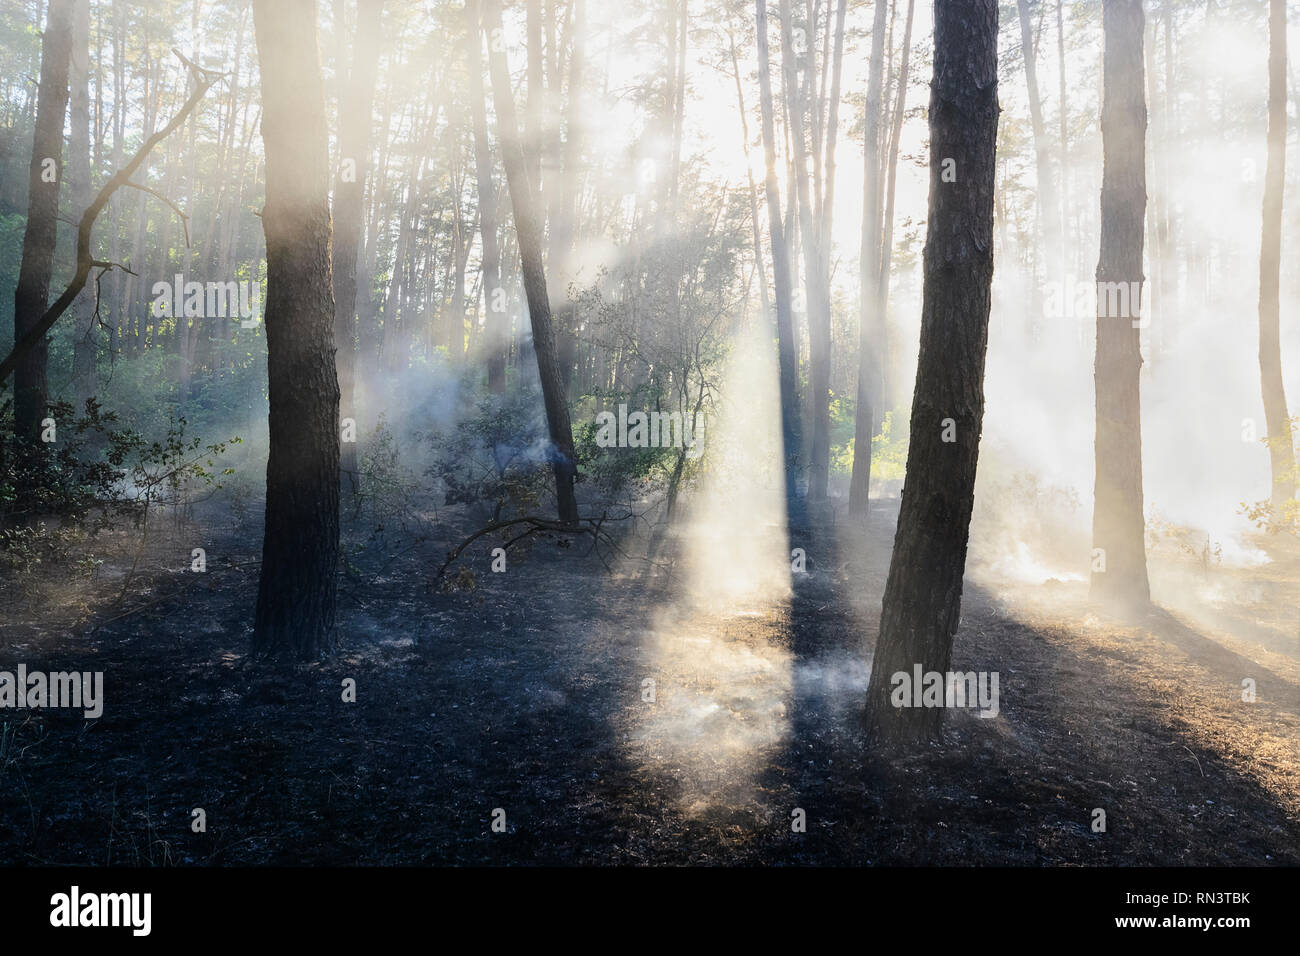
<point>526,693</point>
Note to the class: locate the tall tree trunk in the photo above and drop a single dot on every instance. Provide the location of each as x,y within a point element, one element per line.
<point>682,22</point>
<point>355,121</point>
<point>887,227</point>
<point>819,320</point>
<point>533,147</point>
<point>1118,525</point>
<point>496,322</point>
<point>1048,207</point>
<point>922,602</point>
<point>825,218</point>
<point>871,324</point>
<point>84,343</point>
<point>528,227</point>
<point>781,276</point>
<point>1065,141</point>
<point>31,296</point>
<point>1281,448</point>
<point>755,225</point>
<point>1155,219</point>
<point>564,196</point>
<point>296,593</point>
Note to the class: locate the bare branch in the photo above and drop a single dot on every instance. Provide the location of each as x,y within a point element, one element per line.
<point>185,220</point>
<point>204,79</point>
<point>592,527</point>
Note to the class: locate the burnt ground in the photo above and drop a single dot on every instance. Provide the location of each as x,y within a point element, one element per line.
<point>526,692</point>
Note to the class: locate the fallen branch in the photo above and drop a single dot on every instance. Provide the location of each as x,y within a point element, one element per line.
<point>591,527</point>
<point>204,79</point>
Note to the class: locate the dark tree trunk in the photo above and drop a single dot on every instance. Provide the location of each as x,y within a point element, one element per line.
<point>786,359</point>
<point>1281,449</point>
<point>871,332</point>
<point>528,227</point>
<point>818,315</point>
<point>296,593</point>
<point>31,297</point>
<point>1118,525</point>
<point>922,602</point>
<point>349,197</point>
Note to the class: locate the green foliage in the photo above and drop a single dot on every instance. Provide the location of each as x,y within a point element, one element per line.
<point>843,423</point>
<point>888,449</point>
<point>91,474</point>
<point>387,489</point>
<point>498,454</point>
<point>1268,517</point>
<point>169,471</point>
<point>616,469</point>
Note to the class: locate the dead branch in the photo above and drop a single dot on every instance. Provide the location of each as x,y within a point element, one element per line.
<point>185,220</point>
<point>204,79</point>
<point>589,527</point>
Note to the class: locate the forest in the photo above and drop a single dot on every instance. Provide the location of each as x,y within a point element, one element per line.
<point>673,432</point>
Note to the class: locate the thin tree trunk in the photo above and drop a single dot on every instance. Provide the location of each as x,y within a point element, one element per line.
<point>1118,525</point>
<point>826,213</point>
<point>564,198</point>
<point>819,322</point>
<point>496,322</point>
<point>355,122</point>
<point>84,344</point>
<point>297,590</point>
<point>871,324</point>
<point>1048,208</point>
<point>528,228</point>
<point>753,191</point>
<point>887,228</point>
<point>1281,448</point>
<point>922,602</point>
<point>1065,142</point>
<point>781,276</point>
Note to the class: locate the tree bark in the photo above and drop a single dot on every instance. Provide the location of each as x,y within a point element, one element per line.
<point>528,227</point>
<point>1118,525</point>
<point>31,296</point>
<point>1281,448</point>
<point>922,602</point>
<point>296,593</point>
